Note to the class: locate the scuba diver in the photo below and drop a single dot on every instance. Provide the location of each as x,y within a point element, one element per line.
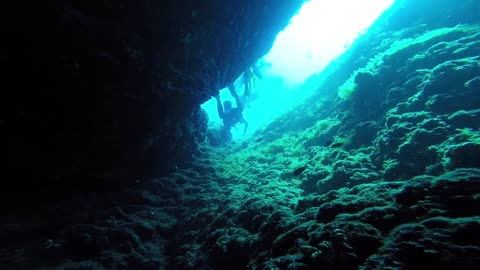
<point>232,116</point>
<point>229,115</point>
<point>249,76</point>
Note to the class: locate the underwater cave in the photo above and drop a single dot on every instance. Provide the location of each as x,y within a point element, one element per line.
<point>255,134</point>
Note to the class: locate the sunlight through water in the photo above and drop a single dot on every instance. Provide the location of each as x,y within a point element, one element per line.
<point>320,32</point>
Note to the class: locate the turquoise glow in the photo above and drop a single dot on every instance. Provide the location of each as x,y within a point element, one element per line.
<point>320,32</point>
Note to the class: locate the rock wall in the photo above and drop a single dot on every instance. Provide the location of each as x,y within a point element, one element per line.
<point>103,92</point>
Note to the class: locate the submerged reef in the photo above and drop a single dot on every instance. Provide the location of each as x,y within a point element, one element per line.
<point>377,168</point>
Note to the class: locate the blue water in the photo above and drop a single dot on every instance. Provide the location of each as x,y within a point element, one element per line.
<point>316,36</point>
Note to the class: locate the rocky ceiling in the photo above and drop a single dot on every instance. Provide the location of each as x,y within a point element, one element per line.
<point>96,93</point>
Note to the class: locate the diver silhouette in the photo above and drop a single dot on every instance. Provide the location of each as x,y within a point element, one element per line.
<point>248,75</point>
<point>231,116</point>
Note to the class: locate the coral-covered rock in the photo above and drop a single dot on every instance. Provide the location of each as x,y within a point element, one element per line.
<point>464,156</point>
<point>435,242</point>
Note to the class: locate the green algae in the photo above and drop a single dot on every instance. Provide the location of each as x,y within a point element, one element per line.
<point>418,47</point>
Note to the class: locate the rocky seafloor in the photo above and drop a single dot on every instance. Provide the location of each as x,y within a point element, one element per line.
<point>379,171</point>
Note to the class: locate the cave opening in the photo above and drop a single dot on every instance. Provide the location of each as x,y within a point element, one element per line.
<point>318,34</point>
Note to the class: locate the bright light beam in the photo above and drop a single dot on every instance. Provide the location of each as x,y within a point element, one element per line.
<point>320,32</point>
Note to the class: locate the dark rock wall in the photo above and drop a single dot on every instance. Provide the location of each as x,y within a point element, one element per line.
<point>102,92</point>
